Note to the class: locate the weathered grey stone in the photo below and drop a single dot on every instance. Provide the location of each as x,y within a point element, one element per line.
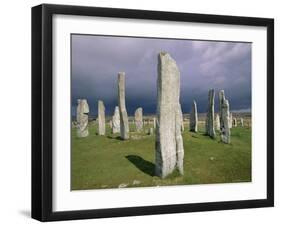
<point>193,118</point>
<point>110,124</point>
<point>169,145</point>
<point>218,127</point>
<point>101,118</point>
<point>230,120</point>
<point>82,118</point>
<point>221,101</point>
<point>234,122</point>
<point>225,122</point>
<point>151,131</point>
<point>138,120</point>
<point>116,121</point>
<point>124,123</point>
<point>241,122</point>
<point>154,123</point>
<point>210,118</point>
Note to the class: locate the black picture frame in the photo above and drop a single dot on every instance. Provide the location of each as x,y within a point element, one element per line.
<point>42,111</point>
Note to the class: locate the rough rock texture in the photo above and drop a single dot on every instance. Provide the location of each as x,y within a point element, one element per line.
<point>234,122</point>
<point>116,121</point>
<point>154,123</point>
<point>221,101</point>
<point>138,120</point>
<point>124,123</point>
<point>241,122</point>
<point>193,118</point>
<point>151,131</point>
<point>101,118</point>
<point>210,118</point>
<point>230,120</point>
<point>225,129</point>
<point>218,127</point>
<point>169,145</point>
<point>82,118</point>
<point>110,124</point>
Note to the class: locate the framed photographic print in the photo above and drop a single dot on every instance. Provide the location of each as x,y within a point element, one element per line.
<point>146,112</point>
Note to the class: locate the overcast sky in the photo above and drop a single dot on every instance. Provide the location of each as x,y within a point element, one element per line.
<point>96,61</point>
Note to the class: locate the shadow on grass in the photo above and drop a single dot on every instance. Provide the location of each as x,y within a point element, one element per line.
<point>143,165</point>
<point>116,138</point>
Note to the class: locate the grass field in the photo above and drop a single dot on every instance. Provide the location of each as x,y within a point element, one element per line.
<point>108,162</point>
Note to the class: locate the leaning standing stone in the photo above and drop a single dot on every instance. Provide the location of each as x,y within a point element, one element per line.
<point>116,121</point>
<point>101,118</point>
<point>124,122</point>
<point>138,120</point>
<point>169,145</point>
<point>154,123</point>
<point>225,129</point>
<point>210,130</point>
<point>181,119</point>
<point>193,118</point>
<point>82,118</point>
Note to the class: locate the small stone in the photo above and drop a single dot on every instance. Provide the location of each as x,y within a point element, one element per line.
<point>116,121</point>
<point>138,120</point>
<point>136,182</point>
<point>122,185</point>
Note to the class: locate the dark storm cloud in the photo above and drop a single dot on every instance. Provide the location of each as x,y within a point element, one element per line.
<point>96,60</point>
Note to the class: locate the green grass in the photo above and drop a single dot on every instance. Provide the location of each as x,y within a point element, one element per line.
<point>107,161</point>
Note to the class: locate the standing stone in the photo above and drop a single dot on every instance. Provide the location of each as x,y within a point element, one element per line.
<point>138,120</point>
<point>82,118</point>
<point>151,131</point>
<point>225,129</point>
<point>116,121</point>
<point>234,122</point>
<point>218,127</point>
<point>230,120</point>
<point>110,124</point>
<point>221,101</point>
<point>154,123</point>
<point>193,118</point>
<point>124,122</point>
<point>241,122</point>
<point>169,144</point>
<point>210,119</point>
<point>101,118</point>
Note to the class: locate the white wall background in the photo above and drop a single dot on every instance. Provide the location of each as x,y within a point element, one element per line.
<point>15,111</point>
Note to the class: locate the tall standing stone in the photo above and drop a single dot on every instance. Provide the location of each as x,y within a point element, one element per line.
<point>116,121</point>
<point>230,120</point>
<point>210,119</point>
<point>169,144</point>
<point>193,118</point>
<point>82,118</point>
<point>225,129</point>
<point>218,127</point>
<point>101,118</point>
<point>221,101</point>
<point>124,122</point>
<point>138,119</point>
<point>154,123</point>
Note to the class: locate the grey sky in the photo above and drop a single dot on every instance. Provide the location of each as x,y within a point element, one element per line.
<point>96,61</point>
